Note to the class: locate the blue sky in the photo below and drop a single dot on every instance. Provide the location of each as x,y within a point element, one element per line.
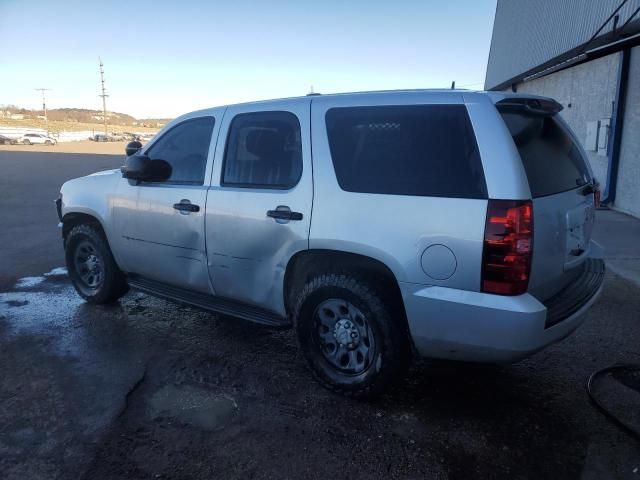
<point>165,58</point>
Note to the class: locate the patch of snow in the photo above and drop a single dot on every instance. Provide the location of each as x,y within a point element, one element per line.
<point>28,282</point>
<point>58,271</point>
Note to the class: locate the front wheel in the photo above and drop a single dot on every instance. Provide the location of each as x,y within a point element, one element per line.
<point>92,269</point>
<point>48,142</point>
<point>348,335</point>
<point>26,141</point>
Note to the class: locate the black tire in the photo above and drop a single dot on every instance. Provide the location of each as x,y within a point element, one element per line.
<point>387,342</point>
<point>26,141</point>
<point>48,142</point>
<point>108,283</point>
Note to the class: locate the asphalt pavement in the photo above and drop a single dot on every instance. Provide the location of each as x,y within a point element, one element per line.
<point>147,389</point>
<point>30,242</point>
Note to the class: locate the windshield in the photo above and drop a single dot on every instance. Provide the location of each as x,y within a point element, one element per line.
<point>550,157</point>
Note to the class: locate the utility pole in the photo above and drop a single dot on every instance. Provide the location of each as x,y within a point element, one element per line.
<point>104,96</point>
<point>44,106</point>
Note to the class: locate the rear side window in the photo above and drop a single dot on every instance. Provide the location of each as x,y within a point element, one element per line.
<point>550,157</point>
<point>264,150</point>
<point>427,150</point>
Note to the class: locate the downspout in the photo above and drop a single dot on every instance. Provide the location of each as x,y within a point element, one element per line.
<point>617,122</point>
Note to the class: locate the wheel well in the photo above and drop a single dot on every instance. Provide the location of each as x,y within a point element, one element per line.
<point>70,220</point>
<point>307,264</point>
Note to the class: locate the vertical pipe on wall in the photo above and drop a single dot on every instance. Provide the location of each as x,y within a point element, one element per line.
<point>613,147</point>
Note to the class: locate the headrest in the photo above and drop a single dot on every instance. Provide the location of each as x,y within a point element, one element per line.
<point>265,143</point>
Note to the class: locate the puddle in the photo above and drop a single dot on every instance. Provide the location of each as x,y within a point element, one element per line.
<point>193,405</point>
<point>28,282</point>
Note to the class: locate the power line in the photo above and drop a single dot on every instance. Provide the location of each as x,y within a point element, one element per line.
<point>44,105</point>
<point>104,96</point>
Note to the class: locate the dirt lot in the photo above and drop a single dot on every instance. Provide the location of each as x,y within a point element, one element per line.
<point>146,389</point>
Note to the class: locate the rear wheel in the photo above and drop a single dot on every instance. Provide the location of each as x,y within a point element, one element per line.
<point>348,335</point>
<point>91,266</point>
<point>26,141</point>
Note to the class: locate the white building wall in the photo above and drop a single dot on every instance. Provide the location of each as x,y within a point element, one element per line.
<point>628,194</point>
<point>587,93</point>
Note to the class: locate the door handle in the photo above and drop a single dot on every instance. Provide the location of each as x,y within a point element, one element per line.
<point>185,207</point>
<point>282,212</point>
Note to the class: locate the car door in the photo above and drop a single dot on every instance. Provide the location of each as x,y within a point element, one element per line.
<point>161,224</point>
<point>259,205</point>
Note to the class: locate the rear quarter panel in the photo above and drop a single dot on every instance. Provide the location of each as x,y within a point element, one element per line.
<point>394,229</point>
<point>503,171</point>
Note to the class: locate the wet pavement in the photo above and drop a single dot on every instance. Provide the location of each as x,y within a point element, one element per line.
<point>149,389</point>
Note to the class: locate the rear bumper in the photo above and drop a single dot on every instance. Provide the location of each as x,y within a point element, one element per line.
<point>473,326</point>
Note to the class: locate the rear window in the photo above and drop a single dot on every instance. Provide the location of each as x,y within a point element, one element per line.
<point>550,157</point>
<point>427,150</point>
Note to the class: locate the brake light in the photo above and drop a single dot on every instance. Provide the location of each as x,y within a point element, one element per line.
<point>508,247</point>
<point>596,197</point>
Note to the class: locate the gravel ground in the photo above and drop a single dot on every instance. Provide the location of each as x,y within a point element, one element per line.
<point>148,389</point>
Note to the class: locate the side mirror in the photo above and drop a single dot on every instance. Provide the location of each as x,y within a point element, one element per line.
<point>132,148</point>
<point>158,171</point>
<point>142,168</point>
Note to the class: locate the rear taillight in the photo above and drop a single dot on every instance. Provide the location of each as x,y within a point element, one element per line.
<point>508,247</point>
<point>596,196</point>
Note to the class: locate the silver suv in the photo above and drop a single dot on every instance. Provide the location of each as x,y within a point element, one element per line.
<point>451,224</point>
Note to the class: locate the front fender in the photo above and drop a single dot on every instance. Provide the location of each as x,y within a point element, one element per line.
<point>91,195</point>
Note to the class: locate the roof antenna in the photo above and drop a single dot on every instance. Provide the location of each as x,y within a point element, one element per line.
<point>311,92</point>
<point>453,85</point>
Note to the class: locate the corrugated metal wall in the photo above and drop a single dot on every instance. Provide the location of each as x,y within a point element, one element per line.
<point>528,33</point>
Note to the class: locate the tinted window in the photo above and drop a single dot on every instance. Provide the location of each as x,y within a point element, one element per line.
<point>427,150</point>
<point>550,157</point>
<point>263,150</point>
<point>185,147</point>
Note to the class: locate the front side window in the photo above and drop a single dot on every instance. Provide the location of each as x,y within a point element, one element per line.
<point>426,150</point>
<point>185,147</point>
<point>264,150</point>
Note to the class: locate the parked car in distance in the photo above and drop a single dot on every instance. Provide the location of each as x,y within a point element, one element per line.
<point>100,137</point>
<point>145,137</point>
<point>7,141</point>
<point>452,224</point>
<point>37,138</point>
<point>129,137</point>
<point>119,137</point>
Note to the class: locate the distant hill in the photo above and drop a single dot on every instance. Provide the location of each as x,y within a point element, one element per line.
<point>81,115</point>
